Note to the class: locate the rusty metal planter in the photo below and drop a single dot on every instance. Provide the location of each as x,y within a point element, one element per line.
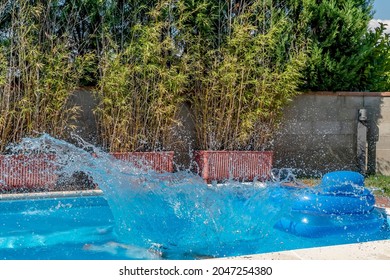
<point>27,171</point>
<point>238,165</point>
<point>39,171</point>
<point>158,161</point>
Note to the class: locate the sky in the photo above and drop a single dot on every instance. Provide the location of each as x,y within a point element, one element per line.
<point>382,9</point>
<point>382,13</point>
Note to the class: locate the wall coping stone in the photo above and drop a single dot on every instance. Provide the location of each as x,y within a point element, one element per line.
<point>349,93</point>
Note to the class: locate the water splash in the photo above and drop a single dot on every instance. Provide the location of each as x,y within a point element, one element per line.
<point>175,210</point>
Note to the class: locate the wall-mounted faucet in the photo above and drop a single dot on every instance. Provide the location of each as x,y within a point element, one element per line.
<point>362,115</point>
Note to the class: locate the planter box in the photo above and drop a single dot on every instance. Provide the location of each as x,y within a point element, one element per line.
<point>157,161</point>
<point>238,165</point>
<point>38,171</point>
<point>21,171</point>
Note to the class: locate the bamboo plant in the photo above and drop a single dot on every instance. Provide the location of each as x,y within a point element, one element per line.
<point>141,86</point>
<point>38,73</point>
<point>241,88</point>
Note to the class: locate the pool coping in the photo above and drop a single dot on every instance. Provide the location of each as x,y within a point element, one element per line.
<point>373,250</point>
<point>58,194</point>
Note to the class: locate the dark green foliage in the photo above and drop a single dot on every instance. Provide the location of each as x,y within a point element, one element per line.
<point>375,69</point>
<point>345,55</point>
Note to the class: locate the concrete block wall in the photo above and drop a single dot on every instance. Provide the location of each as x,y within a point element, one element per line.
<point>318,133</point>
<point>379,132</point>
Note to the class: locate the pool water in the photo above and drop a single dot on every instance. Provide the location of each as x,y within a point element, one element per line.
<point>84,228</point>
<point>147,215</point>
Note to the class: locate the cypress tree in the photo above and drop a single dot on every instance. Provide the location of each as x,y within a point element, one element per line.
<point>345,54</point>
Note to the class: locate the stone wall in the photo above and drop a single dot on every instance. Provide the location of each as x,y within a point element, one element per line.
<point>319,132</point>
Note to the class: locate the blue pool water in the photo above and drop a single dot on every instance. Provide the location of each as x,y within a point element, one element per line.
<point>145,215</point>
<point>84,228</point>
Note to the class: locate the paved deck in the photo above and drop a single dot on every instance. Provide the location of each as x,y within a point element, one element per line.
<point>375,250</point>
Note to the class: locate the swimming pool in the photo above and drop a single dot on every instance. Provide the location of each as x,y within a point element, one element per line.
<point>145,215</point>
<point>83,227</point>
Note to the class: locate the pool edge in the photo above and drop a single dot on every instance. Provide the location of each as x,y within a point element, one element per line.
<point>373,250</point>
<point>59,194</point>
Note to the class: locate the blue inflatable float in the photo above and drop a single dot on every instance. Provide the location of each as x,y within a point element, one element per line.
<point>340,204</point>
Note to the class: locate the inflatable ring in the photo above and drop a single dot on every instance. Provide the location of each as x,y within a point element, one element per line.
<point>340,204</point>
<point>318,226</point>
<point>340,192</point>
<point>342,182</point>
<point>335,204</point>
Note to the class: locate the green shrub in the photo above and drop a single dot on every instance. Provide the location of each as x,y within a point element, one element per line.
<point>38,73</point>
<point>345,54</point>
<point>140,87</point>
<point>239,90</point>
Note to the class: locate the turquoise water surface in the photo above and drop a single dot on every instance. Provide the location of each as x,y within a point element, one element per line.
<point>148,215</point>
